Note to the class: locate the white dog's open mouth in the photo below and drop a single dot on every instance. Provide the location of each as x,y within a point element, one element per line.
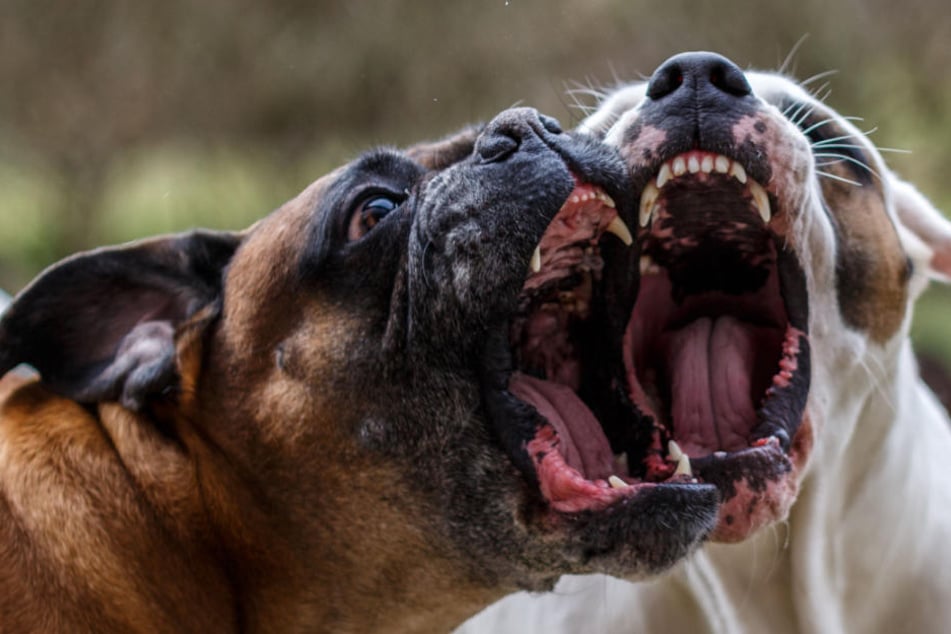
<point>714,356</point>
<point>716,346</point>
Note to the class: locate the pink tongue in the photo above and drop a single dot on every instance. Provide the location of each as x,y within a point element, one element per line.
<point>582,443</point>
<point>711,365</point>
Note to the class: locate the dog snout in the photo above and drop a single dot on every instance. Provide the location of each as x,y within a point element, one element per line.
<point>506,133</point>
<point>696,78</point>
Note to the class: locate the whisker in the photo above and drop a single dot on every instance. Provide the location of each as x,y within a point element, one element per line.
<point>824,96</point>
<point>849,159</point>
<point>792,54</point>
<point>826,145</point>
<point>798,116</point>
<point>816,126</point>
<point>818,76</point>
<point>843,137</point>
<point>822,87</point>
<point>838,178</point>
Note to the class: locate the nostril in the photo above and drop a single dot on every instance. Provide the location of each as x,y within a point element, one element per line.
<point>665,80</point>
<point>730,79</point>
<point>551,124</point>
<point>698,73</point>
<point>496,147</point>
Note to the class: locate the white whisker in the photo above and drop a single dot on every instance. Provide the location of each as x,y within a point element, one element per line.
<point>816,126</point>
<point>818,76</point>
<point>800,115</point>
<point>848,159</point>
<point>784,67</point>
<point>838,178</point>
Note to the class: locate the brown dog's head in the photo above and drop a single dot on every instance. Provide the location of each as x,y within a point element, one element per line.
<point>417,360</point>
<point>775,275</point>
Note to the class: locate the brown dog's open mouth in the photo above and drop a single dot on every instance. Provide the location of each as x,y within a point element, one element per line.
<point>689,367</point>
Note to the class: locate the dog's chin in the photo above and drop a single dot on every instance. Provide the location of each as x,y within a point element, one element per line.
<point>655,370</point>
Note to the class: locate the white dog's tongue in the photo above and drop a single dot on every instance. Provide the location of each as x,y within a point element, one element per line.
<point>711,365</point>
<point>582,442</point>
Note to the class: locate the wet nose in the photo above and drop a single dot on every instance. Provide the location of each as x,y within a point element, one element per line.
<point>505,134</point>
<point>698,75</point>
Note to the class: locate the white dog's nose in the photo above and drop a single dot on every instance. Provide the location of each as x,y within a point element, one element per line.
<point>690,75</point>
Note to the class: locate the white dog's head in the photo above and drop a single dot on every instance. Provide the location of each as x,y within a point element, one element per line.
<point>779,261</point>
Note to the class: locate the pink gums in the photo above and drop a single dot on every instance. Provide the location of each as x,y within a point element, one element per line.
<point>565,489</point>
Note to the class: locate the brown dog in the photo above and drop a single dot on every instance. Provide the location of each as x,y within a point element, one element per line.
<point>311,425</point>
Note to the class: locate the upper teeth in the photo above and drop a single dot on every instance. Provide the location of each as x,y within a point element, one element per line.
<point>596,194</point>
<point>706,163</point>
<point>616,226</point>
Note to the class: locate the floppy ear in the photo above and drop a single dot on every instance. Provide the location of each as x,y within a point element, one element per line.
<point>930,231</point>
<point>100,326</point>
<point>436,155</point>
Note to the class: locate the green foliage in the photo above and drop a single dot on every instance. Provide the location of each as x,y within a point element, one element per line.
<point>120,120</point>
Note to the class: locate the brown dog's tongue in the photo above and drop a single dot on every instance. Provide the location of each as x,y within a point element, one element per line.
<point>582,443</point>
<point>711,364</point>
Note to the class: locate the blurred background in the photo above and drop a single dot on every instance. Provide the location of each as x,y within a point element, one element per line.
<point>122,119</point>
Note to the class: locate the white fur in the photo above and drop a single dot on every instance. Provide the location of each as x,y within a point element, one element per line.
<point>866,546</point>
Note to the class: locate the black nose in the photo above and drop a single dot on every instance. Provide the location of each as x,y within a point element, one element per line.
<point>505,134</point>
<point>703,74</point>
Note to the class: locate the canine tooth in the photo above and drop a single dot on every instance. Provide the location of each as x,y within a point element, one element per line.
<point>606,200</point>
<point>537,260</point>
<point>683,466</point>
<point>721,164</point>
<point>679,166</point>
<point>761,200</point>
<point>618,228</point>
<point>737,172</point>
<point>674,450</point>
<point>706,165</point>
<point>617,483</point>
<point>693,165</point>
<point>664,175</point>
<point>648,198</point>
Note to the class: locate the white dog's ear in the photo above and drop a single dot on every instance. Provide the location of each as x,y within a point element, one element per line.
<point>926,233</point>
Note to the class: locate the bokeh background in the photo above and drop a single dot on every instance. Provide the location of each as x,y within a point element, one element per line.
<point>122,119</point>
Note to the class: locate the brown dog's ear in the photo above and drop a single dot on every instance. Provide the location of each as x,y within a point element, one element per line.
<point>100,326</point>
<point>436,155</point>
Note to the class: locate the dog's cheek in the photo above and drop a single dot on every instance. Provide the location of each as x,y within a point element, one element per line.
<point>872,270</point>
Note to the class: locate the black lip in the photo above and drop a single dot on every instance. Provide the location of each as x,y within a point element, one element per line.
<point>756,466</point>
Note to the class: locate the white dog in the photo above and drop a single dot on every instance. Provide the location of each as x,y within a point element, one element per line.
<point>773,236</point>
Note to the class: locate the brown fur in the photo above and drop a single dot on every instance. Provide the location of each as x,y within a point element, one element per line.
<point>124,529</point>
<point>283,430</point>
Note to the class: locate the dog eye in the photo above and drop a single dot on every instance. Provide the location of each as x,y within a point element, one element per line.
<point>369,212</point>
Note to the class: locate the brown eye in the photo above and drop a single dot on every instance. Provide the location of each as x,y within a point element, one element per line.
<point>369,212</point>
